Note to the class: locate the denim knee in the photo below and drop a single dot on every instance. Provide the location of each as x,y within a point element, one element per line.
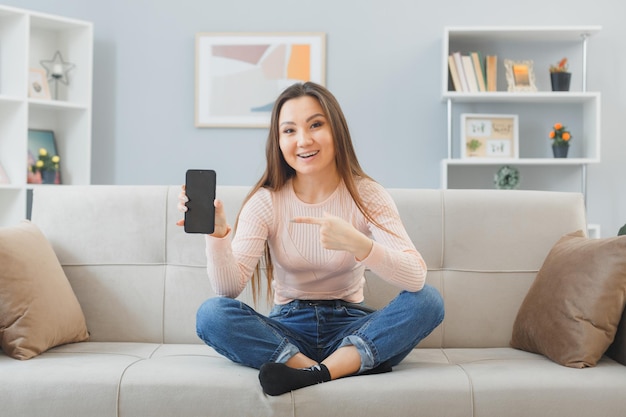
<point>428,299</point>
<point>209,317</point>
<point>236,331</point>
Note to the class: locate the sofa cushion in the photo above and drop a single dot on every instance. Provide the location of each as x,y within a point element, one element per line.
<point>38,309</point>
<point>573,308</point>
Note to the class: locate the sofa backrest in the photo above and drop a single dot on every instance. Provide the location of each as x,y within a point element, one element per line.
<point>140,278</point>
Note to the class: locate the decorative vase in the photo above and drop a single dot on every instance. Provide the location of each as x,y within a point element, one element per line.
<point>48,177</point>
<point>560,80</point>
<point>560,151</point>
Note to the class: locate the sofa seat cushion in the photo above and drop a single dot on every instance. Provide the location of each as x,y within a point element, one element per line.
<point>193,380</point>
<point>514,383</point>
<point>80,379</point>
<point>38,308</point>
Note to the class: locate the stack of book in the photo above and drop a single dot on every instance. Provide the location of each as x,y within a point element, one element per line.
<point>471,74</point>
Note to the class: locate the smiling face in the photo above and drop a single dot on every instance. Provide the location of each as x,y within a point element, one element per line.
<point>305,137</point>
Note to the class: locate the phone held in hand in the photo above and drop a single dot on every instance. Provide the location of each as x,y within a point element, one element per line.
<point>200,190</point>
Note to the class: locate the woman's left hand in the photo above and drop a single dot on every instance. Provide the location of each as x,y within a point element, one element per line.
<point>337,234</point>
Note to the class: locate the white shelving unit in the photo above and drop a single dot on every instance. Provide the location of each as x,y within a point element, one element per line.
<point>26,38</point>
<point>578,109</point>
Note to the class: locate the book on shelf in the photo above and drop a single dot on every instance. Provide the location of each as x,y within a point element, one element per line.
<point>478,69</point>
<point>470,75</point>
<point>458,60</point>
<point>491,71</point>
<point>454,74</point>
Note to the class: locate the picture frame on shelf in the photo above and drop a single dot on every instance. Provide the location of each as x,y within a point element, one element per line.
<point>37,140</point>
<point>240,75</point>
<point>520,75</point>
<point>489,136</point>
<point>38,84</point>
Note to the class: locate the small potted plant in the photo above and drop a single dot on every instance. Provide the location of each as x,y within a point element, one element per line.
<point>560,140</point>
<point>559,76</point>
<point>47,166</point>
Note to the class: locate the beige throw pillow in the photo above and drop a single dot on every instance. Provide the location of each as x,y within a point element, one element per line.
<point>38,308</point>
<point>573,308</point>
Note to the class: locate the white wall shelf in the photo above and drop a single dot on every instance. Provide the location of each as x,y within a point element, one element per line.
<point>520,161</point>
<point>508,97</point>
<point>578,109</point>
<point>27,38</point>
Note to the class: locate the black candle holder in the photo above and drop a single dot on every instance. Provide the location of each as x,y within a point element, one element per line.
<point>56,71</point>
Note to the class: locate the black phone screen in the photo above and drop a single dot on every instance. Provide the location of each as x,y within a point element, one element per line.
<point>200,189</point>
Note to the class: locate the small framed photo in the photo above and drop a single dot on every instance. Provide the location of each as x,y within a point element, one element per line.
<point>38,84</point>
<point>489,136</point>
<point>240,75</point>
<point>49,172</point>
<point>520,75</point>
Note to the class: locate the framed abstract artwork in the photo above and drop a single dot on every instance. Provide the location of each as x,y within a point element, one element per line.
<point>240,75</point>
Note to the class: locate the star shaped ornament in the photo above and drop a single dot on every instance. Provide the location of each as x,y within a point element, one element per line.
<point>57,68</point>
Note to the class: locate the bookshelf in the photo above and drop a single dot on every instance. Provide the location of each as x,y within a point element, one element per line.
<point>26,38</point>
<point>578,109</point>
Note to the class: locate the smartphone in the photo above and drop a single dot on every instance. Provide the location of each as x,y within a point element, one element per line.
<point>200,189</point>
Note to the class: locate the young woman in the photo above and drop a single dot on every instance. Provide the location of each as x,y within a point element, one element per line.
<point>318,221</point>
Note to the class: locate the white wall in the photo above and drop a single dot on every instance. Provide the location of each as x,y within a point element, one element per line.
<point>383,64</point>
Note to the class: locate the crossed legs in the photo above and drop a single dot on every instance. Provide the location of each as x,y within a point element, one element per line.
<point>286,354</point>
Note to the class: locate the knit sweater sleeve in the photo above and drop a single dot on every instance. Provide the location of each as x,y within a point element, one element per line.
<point>231,260</point>
<point>393,257</point>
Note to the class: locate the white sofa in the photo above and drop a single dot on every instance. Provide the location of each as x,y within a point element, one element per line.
<point>139,279</point>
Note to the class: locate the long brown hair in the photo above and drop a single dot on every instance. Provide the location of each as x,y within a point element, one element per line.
<point>278,172</point>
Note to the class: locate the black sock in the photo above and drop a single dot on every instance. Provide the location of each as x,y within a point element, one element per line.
<point>380,369</point>
<point>278,378</point>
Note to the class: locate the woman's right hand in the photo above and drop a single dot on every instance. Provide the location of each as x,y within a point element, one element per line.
<point>182,205</point>
<point>221,224</point>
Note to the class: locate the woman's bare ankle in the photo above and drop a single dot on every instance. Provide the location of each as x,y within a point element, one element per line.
<point>299,361</point>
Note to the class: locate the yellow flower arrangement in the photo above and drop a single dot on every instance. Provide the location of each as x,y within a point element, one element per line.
<point>560,67</point>
<point>559,135</point>
<point>46,162</point>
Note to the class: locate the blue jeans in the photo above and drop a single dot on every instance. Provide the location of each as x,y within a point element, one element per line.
<point>318,328</point>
